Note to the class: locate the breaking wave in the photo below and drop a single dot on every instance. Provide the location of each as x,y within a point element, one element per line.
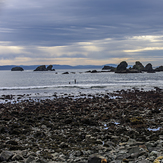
<point>87,86</point>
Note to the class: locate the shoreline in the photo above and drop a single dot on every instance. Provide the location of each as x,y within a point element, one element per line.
<point>127,128</point>
<point>27,97</point>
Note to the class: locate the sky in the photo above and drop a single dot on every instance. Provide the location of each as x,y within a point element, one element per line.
<point>81,32</point>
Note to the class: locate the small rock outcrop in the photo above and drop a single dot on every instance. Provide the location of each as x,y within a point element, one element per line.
<point>122,67</point>
<point>65,73</point>
<point>17,69</point>
<point>107,68</point>
<point>158,69</point>
<point>43,68</point>
<point>94,71</point>
<point>148,68</point>
<point>50,68</point>
<point>138,66</point>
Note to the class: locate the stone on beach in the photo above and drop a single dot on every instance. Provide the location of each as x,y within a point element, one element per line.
<point>74,129</point>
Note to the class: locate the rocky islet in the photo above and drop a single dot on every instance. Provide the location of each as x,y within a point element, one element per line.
<point>18,68</point>
<point>123,129</point>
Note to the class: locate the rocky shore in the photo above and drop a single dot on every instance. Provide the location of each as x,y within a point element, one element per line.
<point>128,128</point>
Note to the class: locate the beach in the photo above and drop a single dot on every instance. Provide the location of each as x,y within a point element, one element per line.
<point>123,126</point>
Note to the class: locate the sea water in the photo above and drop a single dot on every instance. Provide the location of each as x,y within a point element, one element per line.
<point>48,83</point>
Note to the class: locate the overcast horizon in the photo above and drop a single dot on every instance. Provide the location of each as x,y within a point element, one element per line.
<point>81,32</point>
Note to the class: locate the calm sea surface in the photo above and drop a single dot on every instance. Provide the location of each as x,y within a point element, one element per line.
<point>46,84</point>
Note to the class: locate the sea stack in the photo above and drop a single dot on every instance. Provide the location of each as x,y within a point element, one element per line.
<point>17,69</point>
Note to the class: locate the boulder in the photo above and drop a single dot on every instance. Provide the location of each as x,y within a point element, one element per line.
<point>41,68</point>
<point>17,69</point>
<point>122,67</point>
<point>6,155</point>
<point>148,68</point>
<point>138,66</point>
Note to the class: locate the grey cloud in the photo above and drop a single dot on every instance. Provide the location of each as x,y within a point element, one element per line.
<point>73,56</point>
<point>48,23</point>
<point>63,22</point>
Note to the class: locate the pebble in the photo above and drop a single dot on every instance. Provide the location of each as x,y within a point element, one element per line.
<point>84,130</point>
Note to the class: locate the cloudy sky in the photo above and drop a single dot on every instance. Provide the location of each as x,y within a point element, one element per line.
<point>81,32</point>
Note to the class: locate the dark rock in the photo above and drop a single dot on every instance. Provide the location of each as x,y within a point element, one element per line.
<point>63,145</point>
<point>121,68</point>
<point>138,66</point>
<point>108,68</point>
<point>65,73</point>
<point>15,131</point>
<point>6,155</point>
<point>15,147</point>
<point>130,70</point>
<point>148,68</point>
<point>12,142</point>
<point>49,68</point>
<point>17,69</point>
<point>95,158</point>
<point>39,134</point>
<point>41,68</point>
<point>87,121</point>
<point>88,71</point>
<point>158,69</point>
<point>4,129</point>
<point>94,71</point>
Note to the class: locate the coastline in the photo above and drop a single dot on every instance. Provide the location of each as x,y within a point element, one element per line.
<point>125,128</point>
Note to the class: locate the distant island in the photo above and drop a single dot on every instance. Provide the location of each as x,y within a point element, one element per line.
<point>56,66</point>
<point>122,67</point>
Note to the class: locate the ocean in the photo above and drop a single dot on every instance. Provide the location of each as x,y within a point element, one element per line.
<point>49,84</point>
